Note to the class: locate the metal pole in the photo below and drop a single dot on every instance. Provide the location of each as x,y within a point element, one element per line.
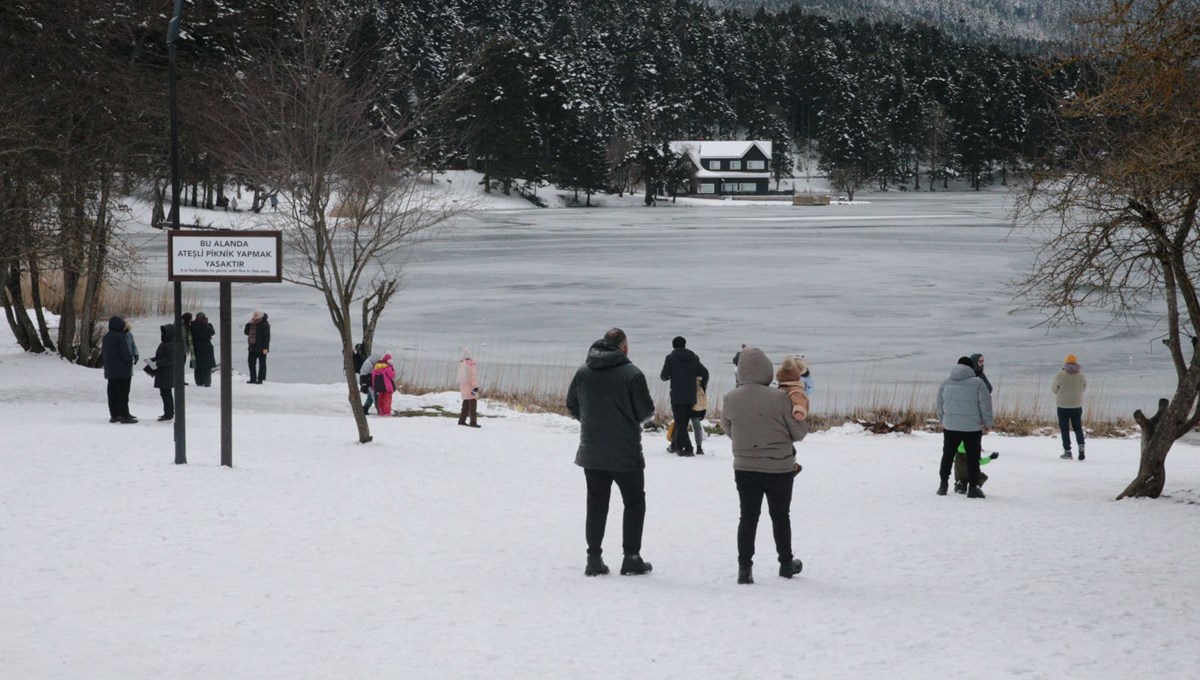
<point>180,340</point>
<point>226,377</point>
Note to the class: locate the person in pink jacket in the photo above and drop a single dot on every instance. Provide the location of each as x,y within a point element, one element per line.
<point>383,379</point>
<point>468,386</point>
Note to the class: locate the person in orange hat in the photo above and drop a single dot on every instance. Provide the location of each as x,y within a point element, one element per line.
<point>1068,387</point>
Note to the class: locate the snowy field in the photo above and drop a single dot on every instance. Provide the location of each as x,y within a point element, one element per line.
<point>444,552</point>
<point>882,296</point>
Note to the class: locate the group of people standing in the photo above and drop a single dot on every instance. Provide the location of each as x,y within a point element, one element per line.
<point>611,400</point>
<point>964,408</point>
<point>377,380</point>
<point>119,355</point>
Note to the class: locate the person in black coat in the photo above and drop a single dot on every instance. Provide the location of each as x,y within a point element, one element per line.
<point>118,361</point>
<point>610,399</point>
<point>164,370</point>
<point>206,358</point>
<point>960,460</point>
<point>258,337</point>
<point>682,367</point>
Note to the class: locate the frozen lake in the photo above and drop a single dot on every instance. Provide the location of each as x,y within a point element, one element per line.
<point>882,297</point>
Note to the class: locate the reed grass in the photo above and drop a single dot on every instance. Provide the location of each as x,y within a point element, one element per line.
<point>542,388</point>
<point>120,299</point>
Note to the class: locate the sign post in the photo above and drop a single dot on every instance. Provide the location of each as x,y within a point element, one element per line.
<point>180,342</point>
<point>225,257</point>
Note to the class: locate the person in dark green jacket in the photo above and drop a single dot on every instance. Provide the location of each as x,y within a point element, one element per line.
<point>610,399</point>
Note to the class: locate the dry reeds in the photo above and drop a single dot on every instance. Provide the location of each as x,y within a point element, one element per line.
<point>112,299</point>
<point>541,387</point>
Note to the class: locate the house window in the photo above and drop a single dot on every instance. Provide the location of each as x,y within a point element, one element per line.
<point>714,165</point>
<point>756,165</point>
<point>707,189</point>
<point>740,187</point>
<point>735,165</point>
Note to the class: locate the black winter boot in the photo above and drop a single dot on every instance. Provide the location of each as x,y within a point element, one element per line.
<point>943,487</point>
<point>975,492</point>
<point>745,575</point>
<point>960,487</point>
<point>595,566</point>
<point>633,565</point>
<point>1081,453</point>
<point>1066,455</point>
<point>790,568</point>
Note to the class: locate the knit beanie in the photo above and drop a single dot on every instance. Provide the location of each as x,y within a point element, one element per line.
<point>789,371</point>
<point>1071,359</point>
<point>966,361</point>
<point>679,342</point>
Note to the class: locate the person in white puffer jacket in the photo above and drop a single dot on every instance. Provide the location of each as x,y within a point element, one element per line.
<point>964,407</point>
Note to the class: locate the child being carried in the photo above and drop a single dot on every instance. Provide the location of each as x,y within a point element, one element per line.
<point>790,378</point>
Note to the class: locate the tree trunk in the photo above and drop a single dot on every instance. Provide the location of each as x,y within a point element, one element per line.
<point>97,261</point>
<point>35,295</point>
<point>17,330</point>
<point>1152,471</point>
<point>158,216</point>
<point>26,334</point>
<point>352,389</point>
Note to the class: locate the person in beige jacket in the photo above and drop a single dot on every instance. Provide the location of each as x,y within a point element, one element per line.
<point>758,419</point>
<point>1068,387</point>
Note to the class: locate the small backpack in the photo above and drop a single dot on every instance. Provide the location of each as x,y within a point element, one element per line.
<point>380,382</point>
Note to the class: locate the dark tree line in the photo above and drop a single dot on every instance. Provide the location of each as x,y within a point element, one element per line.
<point>582,94</point>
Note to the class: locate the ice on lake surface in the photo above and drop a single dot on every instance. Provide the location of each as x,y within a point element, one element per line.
<point>881,296</point>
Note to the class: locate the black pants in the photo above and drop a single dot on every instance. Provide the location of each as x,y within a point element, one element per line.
<point>972,442</point>
<point>682,414</point>
<point>777,487</point>
<point>633,493</point>
<point>1071,419</point>
<point>470,409</point>
<point>168,397</point>
<point>258,365</point>
<point>203,374</point>
<point>118,397</point>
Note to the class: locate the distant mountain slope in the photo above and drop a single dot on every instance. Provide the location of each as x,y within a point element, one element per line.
<point>1037,20</point>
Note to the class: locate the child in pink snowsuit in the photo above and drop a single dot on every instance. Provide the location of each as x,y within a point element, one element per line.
<point>468,387</point>
<point>383,378</point>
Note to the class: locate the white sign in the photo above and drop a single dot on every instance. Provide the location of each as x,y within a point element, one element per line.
<point>224,256</point>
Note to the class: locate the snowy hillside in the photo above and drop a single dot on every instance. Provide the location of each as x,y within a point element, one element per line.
<point>1038,20</point>
<point>445,552</point>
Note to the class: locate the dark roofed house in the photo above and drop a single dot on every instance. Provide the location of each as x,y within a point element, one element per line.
<point>725,168</point>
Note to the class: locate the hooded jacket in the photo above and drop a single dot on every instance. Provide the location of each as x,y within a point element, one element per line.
<point>115,352</point>
<point>468,376</point>
<point>202,336</point>
<point>979,371</point>
<point>758,418</point>
<point>262,334</point>
<point>1068,387</point>
<point>164,358</point>
<point>963,401</point>
<point>682,367</point>
<point>384,368</point>
<point>610,399</point>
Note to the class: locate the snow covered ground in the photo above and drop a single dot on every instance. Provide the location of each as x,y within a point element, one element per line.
<point>445,552</point>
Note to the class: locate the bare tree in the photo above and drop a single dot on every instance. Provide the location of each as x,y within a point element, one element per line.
<point>1120,210</point>
<point>315,125</point>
